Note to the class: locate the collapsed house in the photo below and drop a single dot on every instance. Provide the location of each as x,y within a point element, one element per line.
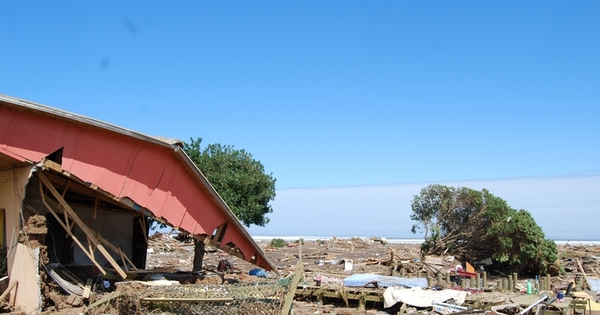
<point>81,192</point>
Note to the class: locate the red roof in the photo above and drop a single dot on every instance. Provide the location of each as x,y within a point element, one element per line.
<point>154,174</point>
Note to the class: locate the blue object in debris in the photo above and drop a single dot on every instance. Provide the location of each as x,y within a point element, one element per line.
<point>258,272</point>
<point>362,279</point>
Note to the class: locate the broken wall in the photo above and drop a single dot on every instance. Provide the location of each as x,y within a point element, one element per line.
<point>22,261</point>
<point>12,192</point>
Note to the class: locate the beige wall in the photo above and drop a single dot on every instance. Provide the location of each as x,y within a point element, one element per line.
<point>22,261</point>
<point>12,192</point>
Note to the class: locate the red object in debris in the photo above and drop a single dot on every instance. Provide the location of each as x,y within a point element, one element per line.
<point>466,273</point>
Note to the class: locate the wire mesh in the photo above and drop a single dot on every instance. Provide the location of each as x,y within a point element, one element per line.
<point>241,298</point>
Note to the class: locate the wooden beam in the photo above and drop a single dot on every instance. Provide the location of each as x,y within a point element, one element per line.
<point>64,193</point>
<point>95,204</point>
<point>52,165</point>
<point>84,188</point>
<point>143,225</point>
<point>116,250</point>
<point>218,237</point>
<point>580,267</point>
<point>7,291</point>
<point>86,230</point>
<point>70,233</point>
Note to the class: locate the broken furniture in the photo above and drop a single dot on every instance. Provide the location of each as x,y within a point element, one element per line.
<point>579,304</point>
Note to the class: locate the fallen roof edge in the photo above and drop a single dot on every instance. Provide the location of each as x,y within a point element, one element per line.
<point>223,205</point>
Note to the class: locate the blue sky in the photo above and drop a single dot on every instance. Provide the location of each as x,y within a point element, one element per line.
<point>333,94</point>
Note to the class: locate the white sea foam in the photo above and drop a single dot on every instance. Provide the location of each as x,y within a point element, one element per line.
<point>326,238</point>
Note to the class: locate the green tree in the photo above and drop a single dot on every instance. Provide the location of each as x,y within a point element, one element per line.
<point>476,225</point>
<point>238,178</point>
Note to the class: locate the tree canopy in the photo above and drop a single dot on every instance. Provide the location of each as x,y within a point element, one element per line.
<point>476,225</point>
<point>238,178</point>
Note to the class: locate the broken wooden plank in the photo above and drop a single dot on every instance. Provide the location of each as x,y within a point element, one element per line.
<point>7,291</point>
<point>580,267</point>
<point>290,295</point>
<point>87,289</point>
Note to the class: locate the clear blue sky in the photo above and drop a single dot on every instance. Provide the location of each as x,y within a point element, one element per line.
<point>329,93</point>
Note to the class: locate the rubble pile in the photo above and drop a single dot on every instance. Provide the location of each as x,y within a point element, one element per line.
<point>337,276</point>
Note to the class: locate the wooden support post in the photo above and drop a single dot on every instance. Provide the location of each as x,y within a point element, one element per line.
<point>448,278</point>
<point>548,283</point>
<point>344,296</point>
<point>542,284</point>
<point>199,251</point>
<point>362,302</point>
<point>478,281</point>
<point>485,280</point>
<point>439,279</point>
<point>500,285</point>
<point>403,272</point>
<point>471,282</point>
<point>462,283</point>
<point>320,297</point>
<point>429,282</point>
<point>510,283</point>
<point>515,280</point>
<point>456,277</point>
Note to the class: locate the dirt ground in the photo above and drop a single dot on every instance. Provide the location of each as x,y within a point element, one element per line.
<point>333,260</point>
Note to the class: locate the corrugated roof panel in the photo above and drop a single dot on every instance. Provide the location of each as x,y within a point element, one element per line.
<point>22,136</point>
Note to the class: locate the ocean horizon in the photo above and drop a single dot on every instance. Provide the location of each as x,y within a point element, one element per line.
<point>394,240</point>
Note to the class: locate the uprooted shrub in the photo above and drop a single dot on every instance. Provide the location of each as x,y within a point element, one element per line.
<point>477,225</point>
